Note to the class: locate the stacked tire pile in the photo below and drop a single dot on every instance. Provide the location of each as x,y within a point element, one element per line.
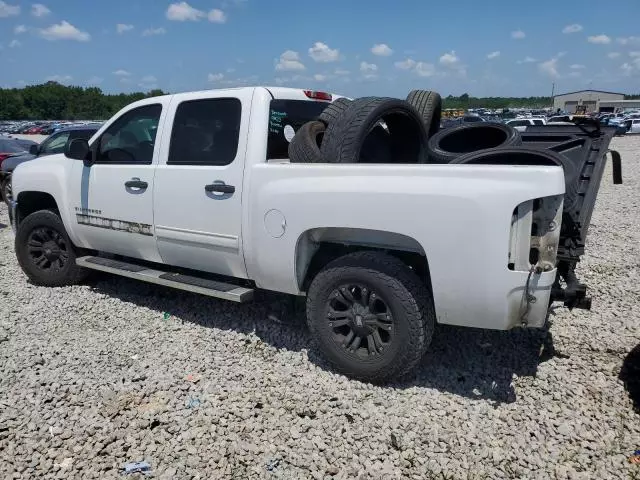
<point>390,130</point>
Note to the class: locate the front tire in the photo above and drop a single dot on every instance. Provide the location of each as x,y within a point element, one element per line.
<point>5,190</point>
<point>45,252</point>
<point>371,316</point>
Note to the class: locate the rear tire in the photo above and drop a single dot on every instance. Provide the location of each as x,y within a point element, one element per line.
<point>370,316</point>
<point>45,252</point>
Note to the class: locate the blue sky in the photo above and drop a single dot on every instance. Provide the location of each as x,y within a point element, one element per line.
<point>357,47</point>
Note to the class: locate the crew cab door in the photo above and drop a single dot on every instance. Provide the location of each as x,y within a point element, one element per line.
<point>112,197</point>
<point>198,182</point>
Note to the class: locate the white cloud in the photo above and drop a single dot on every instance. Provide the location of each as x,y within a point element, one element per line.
<point>319,77</point>
<point>422,69</point>
<point>407,64</point>
<point>449,59</point>
<point>294,78</point>
<point>182,12</point>
<point>321,52</point>
<point>628,40</point>
<point>527,60</point>
<point>627,68</point>
<point>518,35</point>
<point>613,54</point>
<point>121,73</point>
<point>381,49</point>
<point>634,54</point>
<point>425,69</point>
<point>368,67</point>
<point>577,66</point>
<point>550,67</point>
<point>149,79</point>
<point>59,78</point>
<point>149,32</point>
<point>573,28</point>
<point>215,77</point>
<point>123,27</point>
<point>14,43</point>
<point>39,10</point>
<point>601,39</point>
<point>64,31</point>
<point>95,80</point>
<point>19,29</point>
<point>7,10</point>
<point>217,16</point>
<point>289,61</point>
<point>341,73</point>
<point>493,55</point>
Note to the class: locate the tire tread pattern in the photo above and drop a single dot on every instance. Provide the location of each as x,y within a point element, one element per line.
<point>429,106</point>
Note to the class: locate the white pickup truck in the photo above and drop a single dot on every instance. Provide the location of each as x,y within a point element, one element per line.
<point>195,191</point>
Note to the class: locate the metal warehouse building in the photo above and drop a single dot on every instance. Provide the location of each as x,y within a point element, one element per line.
<point>589,98</point>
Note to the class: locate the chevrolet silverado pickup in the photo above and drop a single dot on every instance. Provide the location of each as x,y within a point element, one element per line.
<point>195,191</point>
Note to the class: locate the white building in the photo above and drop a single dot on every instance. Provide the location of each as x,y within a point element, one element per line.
<point>593,100</point>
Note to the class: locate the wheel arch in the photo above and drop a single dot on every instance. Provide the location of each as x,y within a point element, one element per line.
<point>32,201</point>
<point>317,247</point>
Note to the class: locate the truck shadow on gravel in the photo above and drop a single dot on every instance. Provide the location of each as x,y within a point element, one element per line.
<point>473,363</point>
<point>630,376</point>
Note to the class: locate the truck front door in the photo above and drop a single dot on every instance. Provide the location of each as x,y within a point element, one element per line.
<point>198,182</point>
<point>112,198</point>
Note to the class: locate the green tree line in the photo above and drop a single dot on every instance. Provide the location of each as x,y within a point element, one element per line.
<point>53,101</point>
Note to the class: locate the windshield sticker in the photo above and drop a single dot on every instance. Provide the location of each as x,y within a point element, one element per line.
<point>289,133</point>
<point>275,121</point>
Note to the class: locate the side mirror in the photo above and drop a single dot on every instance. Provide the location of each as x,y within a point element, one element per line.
<point>34,149</point>
<point>78,149</point>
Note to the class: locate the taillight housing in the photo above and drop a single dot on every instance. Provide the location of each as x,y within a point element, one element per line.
<point>535,233</point>
<point>318,95</point>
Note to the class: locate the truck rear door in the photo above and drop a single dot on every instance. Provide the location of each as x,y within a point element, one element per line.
<point>198,182</point>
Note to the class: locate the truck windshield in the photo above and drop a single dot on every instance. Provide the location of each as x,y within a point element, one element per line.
<point>285,118</point>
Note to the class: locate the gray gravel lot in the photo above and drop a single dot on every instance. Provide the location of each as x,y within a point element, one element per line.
<point>94,376</point>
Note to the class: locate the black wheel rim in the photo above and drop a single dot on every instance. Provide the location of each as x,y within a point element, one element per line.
<point>360,320</point>
<point>47,249</point>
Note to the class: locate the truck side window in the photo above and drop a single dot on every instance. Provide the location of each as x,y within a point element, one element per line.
<point>130,139</point>
<point>205,132</point>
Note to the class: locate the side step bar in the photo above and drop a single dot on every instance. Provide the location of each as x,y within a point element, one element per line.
<point>211,288</point>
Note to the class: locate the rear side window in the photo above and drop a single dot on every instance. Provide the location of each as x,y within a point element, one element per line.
<point>538,122</point>
<point>285,118</point>
<point>205,132</point>
<point>519,123</point>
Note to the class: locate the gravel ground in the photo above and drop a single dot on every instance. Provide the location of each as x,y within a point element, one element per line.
<point>98,375</point>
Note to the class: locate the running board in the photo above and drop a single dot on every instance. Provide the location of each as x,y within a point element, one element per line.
<point>204,286</point>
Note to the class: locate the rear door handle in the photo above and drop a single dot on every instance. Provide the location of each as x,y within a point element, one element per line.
<point>136,183</point>
<point>219,188</point>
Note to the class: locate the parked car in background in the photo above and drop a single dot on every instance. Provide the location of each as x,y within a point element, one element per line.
<point>25,143</point>
<point>55,143</point>
<point>632,126</point>
<point>9,148</point>
<point>521,124</point>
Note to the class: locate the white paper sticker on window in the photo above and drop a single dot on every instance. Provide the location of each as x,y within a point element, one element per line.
<point>289,133</point>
